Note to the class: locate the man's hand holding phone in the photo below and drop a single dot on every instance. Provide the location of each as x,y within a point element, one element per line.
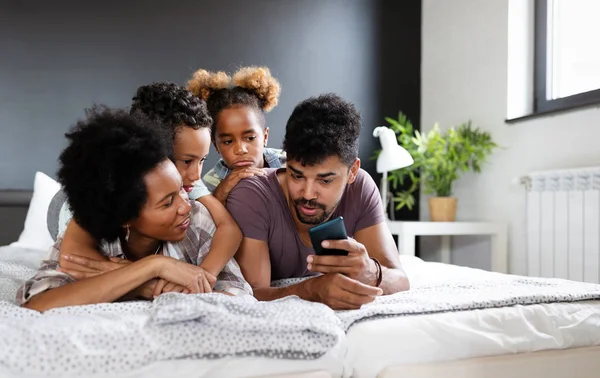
<point>356,265</point>
<point>336,253</point>
<point>349,275</point>
<point>348,282</point>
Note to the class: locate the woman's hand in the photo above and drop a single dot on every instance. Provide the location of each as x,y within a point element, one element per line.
<point>147,290</point>
<point>86,268</point>
<point>222,191</point>
<point>160,286</point>
<point>191,277</point>
<point>173,275</point>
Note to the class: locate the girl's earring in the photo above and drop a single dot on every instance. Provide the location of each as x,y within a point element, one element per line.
<point>127,234</point>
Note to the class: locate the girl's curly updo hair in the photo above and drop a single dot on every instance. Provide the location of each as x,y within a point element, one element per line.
<point>253,87</point>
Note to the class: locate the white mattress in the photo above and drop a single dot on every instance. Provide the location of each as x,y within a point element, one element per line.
<point>377,344</point>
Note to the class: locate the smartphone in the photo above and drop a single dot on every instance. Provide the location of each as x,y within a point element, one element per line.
<point>333,229</point>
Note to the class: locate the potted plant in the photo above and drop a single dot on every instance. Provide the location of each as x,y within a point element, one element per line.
<point>440,159</point>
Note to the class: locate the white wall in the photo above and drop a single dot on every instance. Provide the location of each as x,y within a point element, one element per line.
<point>464,76</point>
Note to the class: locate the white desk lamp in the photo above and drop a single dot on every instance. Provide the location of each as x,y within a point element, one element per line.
<point>392,157</point>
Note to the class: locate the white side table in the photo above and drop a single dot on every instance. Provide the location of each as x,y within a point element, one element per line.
<point>407,231</point>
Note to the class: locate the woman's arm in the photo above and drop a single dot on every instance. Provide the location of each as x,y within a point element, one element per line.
<point>110,286</point>
<point>78,242</point>
<point>106,287</point>
<point>226,239</point>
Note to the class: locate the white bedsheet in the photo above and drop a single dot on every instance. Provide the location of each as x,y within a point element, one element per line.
<point>377,344</point>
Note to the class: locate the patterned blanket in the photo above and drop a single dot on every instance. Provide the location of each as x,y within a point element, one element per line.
<point>475,290</point>
<point>121,337</point>
<point>476,293</point>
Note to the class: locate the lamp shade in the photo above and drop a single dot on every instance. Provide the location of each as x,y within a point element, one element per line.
<point>392,156</point>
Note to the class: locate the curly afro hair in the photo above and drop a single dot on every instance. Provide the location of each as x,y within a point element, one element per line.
<point>203,83</point>
<point>320,127</point>
<point>103,167</point>
<point>250,86</point>
<point>172,105</point>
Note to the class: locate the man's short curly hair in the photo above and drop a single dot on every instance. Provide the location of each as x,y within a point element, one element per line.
<point>103,167</point>
<point>320,127</point>
<point>172,105</point>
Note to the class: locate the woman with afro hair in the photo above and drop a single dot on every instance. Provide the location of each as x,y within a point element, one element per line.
<point>237,106</point>
<point>124,190</point>
<point>186,125</point>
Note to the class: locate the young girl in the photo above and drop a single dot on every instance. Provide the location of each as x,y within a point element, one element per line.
<point>237,106</point>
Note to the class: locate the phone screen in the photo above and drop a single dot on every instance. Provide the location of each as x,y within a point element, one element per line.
<point>333,229</point>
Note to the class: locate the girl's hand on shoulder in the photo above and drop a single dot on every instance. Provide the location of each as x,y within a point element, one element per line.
<point>226,186</point>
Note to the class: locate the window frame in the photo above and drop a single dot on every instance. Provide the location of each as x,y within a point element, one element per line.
<point>541,104</point>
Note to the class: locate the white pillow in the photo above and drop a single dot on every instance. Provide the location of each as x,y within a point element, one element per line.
<point>35,233</point>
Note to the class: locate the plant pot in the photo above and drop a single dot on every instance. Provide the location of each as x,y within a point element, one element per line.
<point>442,209</point>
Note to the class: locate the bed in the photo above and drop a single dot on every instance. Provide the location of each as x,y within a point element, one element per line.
<point>514,341</point>
<point>530,337</point>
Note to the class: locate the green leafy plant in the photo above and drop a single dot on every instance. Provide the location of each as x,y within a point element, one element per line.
<point>440,158</point>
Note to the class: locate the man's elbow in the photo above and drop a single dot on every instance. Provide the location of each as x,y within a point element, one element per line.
<point>400,282</point>
<point>404,283</point>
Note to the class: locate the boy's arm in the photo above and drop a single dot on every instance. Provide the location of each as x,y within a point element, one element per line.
<point>77,241</point>
<point>226,239</point>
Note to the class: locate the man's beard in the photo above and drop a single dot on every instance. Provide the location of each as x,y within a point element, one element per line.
<point>318,218</point>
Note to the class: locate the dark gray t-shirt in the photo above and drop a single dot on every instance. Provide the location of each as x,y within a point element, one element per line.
<point>260,209</point>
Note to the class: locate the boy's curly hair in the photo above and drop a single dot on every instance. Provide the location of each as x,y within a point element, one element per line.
<point>172,105</point>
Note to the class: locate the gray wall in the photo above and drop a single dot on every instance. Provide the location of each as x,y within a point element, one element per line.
<point>59,57</point>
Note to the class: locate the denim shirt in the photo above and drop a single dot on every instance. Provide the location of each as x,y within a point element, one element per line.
<point>274,158</point>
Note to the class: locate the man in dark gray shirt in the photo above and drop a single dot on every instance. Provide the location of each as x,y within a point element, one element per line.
<point>322,180</point>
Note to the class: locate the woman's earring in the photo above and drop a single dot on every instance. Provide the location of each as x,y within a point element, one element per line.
<point>127,234</point>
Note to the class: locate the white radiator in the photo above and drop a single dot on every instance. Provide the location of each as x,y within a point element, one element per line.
<point>563,224</point>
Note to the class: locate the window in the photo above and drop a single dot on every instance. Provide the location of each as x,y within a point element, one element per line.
<point>567,54</point>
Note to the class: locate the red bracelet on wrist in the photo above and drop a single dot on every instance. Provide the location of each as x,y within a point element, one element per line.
<point>379,271</point>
